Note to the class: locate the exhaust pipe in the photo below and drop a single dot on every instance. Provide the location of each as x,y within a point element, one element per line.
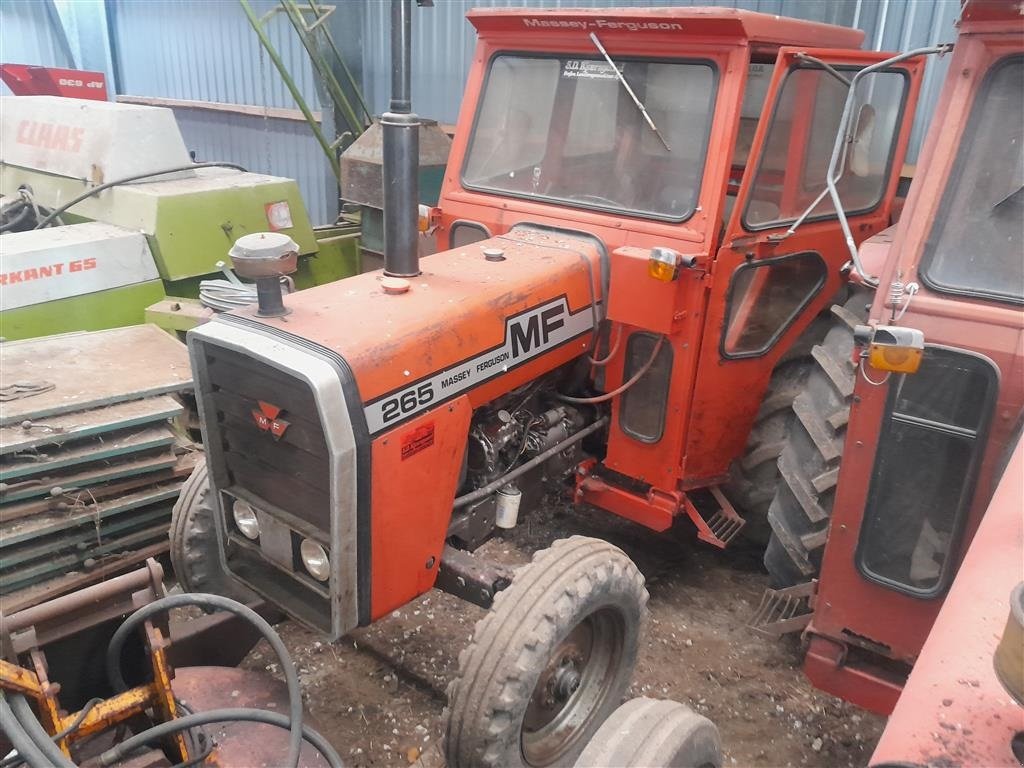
<point>401,127</point>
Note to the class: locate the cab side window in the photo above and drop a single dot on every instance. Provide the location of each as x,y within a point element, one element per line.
<point>801,135</point>
<point>765,297</point>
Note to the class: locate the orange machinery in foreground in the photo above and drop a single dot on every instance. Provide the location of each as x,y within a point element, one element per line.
<point>956,709</point>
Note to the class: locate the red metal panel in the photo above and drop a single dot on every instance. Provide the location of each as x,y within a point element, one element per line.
<point>953,709</point>
<point>415,471</point>
<point>666,22</point>
<point>636,298</point>
<point>826,667</point>
<point>26,80</point>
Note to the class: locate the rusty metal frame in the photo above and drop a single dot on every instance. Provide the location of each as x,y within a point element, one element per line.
<point>26,632</point>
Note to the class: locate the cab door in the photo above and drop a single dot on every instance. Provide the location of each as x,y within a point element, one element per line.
<point>769,282</point>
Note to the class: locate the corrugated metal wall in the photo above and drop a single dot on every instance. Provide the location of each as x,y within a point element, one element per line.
<point>443,41</point>
<point>205,50</point>
<point>30,33</point>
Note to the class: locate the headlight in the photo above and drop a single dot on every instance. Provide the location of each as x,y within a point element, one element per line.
<point>315,558</point>
<point>245,519</point>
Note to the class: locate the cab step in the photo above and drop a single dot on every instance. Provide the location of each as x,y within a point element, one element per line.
<point>782,611</point>
<point>721,526</point>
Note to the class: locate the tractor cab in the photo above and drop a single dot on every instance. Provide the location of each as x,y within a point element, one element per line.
<point>908,425</point>
<point>686,142</point>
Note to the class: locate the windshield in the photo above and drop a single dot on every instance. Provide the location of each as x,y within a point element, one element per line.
<point>565,129</point>
<point>976,245</point>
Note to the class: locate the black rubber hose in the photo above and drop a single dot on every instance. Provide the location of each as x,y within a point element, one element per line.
<point>17,219</point>
<point>30,723</point>
<point>19,738</point>
<point>16,760</point>
<point>219,603</point>
<point>127,180</point>
<point>132,743</point>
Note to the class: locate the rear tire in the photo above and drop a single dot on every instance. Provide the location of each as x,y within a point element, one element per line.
<point>551,660</point>
<point>808,464</point>
<point>194,553</point>
<point>648,733</point>
<point>754,476</point>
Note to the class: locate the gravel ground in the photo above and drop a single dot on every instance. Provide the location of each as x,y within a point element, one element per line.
<point>378,694</point>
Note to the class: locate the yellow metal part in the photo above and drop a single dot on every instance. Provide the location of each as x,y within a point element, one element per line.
<point>156,697</point>
<point>162,675</point>
<point>114,710</point>
<point>19,679</point>
<point>49,709</point>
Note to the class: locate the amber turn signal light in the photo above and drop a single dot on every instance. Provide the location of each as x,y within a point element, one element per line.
<point>896,349</point>
<point>428,219</point>
<point>664,263</point>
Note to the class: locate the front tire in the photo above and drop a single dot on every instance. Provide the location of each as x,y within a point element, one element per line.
<point>551,660</point>
<point>649,733</point>
<point>194,554</point>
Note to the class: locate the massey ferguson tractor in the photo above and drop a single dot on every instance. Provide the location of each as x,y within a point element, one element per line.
<point>638,258</point>
<point>918,390</point>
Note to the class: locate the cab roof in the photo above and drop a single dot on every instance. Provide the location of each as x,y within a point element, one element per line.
<point>737,25</point>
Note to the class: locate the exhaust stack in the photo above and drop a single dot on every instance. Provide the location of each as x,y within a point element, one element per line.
<point>401,149</point>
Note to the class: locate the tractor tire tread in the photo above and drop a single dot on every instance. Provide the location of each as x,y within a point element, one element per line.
<point>651,732</point>
<point>800,512</point>
<point>509,647</point>
<point>196,565</point>
<point>753,477</point>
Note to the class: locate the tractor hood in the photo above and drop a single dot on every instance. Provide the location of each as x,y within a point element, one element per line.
<point>474,314</point>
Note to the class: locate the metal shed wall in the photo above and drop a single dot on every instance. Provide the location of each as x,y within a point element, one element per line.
<point>206,51</point>
<point>31,33</point>
<point>443,41</point>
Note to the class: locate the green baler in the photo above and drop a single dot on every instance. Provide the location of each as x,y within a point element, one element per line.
<point>134,245</point>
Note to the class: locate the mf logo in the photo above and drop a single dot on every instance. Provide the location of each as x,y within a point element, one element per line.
<point>535,330</point>
<point>267,418</point>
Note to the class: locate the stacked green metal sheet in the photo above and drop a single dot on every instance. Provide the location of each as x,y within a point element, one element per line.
<point>91,460</point>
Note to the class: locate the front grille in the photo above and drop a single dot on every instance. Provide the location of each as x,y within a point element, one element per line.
<point>292,473</point>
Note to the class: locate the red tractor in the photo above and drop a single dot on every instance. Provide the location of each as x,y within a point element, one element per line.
<point>918,391</point>
<point>638,254</point>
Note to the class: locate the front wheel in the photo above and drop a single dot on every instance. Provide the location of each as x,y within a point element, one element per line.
<point>194,553</point>
<point>651,733</point>
<point>551,660</point>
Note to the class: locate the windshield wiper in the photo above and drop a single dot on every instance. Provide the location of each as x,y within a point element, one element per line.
<point>639,104</point>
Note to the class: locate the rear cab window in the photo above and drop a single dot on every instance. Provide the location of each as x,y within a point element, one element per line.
<point>976,247</point>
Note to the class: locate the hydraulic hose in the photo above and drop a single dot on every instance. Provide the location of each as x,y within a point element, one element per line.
<point>219,603</point>
<point>19,217</point>
<point>26,718</point>
<point>127,180</point>
<point>618,391</point>
<point>132,743</point>
<point>611,352</point>
<point>16,760</point>
<point>19,738</point>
